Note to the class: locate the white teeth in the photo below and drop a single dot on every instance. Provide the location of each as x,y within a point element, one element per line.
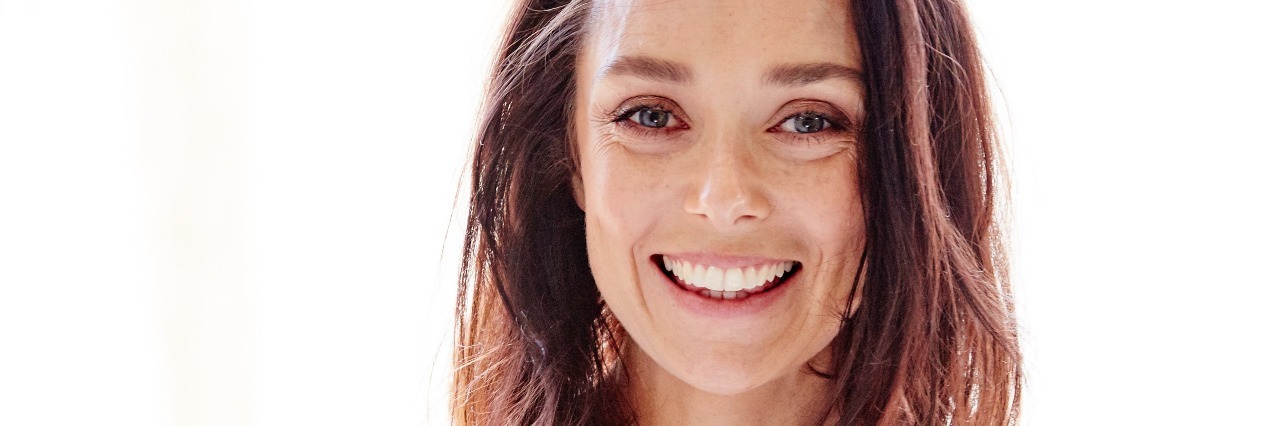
<point>731,283</point>
<point>733,278</point>
<point>760,276</point>
<point>714,279</point>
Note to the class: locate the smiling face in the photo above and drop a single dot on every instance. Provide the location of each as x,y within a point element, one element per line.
<point>717,149</point>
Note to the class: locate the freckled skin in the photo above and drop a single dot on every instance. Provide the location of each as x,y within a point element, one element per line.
<point>728,182</point>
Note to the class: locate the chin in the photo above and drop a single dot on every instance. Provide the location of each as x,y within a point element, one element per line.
<point>724,382</point>
<point>725,376</point>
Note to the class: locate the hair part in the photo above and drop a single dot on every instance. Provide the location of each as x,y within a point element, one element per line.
<point>933,340</point>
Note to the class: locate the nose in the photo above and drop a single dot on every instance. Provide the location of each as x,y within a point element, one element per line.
<point>728,192</point>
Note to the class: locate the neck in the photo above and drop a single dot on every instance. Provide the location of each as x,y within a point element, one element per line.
<point>660,398</point>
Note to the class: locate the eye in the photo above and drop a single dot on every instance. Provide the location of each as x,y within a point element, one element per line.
<point>805,123</point>
<point>652,118</point>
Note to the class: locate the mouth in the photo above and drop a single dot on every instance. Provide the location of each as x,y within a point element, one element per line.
<point>726,283</point>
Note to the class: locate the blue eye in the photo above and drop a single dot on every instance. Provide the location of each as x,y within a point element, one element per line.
<point>806,123</point>
<point>651,117</point>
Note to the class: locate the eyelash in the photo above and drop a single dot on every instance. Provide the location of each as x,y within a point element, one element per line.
<point>623,118</point>
<point>836,124</point>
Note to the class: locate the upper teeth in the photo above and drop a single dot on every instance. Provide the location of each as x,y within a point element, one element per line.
<point>731,279</point>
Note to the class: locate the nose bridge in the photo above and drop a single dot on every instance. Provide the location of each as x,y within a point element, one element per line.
<point>728,190</point>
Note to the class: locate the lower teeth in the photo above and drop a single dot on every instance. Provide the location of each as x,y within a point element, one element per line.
<point>717,294</point>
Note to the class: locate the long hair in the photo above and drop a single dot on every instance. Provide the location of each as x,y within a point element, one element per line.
<point>933,341</point>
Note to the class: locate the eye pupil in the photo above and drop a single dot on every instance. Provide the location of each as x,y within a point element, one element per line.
<point>650,117</point>
<point>808,123</point>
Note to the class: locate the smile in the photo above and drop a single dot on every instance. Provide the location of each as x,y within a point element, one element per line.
<point>727,283</point>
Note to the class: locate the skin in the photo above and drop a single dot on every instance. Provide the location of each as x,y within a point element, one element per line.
<point>725,179</point>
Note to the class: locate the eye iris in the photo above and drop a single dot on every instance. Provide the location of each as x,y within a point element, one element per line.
<point>808,123</point>
<point>650,117</point>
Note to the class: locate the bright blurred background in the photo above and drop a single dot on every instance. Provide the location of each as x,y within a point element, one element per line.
<point>238,212</point>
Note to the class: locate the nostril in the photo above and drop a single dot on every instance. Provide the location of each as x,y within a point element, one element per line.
<point>725,210</point>
<point>727,194</point>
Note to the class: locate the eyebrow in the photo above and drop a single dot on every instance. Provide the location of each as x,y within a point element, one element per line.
<point>808,73</point>
<point>647,68</point>
<point>662,70</point>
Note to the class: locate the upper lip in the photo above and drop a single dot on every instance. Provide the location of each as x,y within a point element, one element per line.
<point>724,261</point>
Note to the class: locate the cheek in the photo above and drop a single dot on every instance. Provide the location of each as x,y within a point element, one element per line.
<point>827,204</point>
<point>838,220</point>
<point>621,196</point>
<point>623,199</point>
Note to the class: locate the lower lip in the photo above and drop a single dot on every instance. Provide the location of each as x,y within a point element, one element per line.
<point>725,308</point>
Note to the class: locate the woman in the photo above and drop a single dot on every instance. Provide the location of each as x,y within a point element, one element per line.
<point>736,212</point>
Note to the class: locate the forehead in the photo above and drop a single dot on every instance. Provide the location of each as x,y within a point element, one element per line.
<point>720,33</point>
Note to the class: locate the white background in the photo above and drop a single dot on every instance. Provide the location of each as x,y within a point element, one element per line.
<point>230,213</point>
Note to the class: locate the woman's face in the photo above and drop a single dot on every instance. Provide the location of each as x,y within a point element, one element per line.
<point>717,148</point>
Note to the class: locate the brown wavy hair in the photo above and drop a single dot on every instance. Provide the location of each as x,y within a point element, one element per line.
<point>934,340</point>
